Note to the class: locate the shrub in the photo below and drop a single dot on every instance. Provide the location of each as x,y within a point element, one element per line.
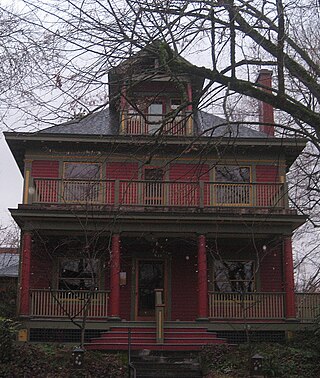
<point>8,330</point>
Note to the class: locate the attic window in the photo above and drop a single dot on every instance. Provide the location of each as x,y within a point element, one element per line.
<point>155,116</point>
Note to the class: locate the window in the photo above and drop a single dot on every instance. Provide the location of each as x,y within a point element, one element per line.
<point>155,116</point>
<point>81,182</point>
<point>175,103</point>
<point>78,274</point>
<point>232,186</point>
<point>233,276</point>
<point>153,188</point>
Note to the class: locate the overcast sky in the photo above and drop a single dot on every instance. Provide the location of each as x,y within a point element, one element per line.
<point>10,182</point>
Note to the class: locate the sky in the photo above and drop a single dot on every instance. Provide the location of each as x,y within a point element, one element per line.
<point>10,183</point>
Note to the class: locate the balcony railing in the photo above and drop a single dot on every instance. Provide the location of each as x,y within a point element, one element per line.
<point>69,304</point>
<point>153,123</point>
<point>161,194</point>
<point>246,306</point>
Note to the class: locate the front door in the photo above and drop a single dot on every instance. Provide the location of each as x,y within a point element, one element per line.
<point>151,276</point>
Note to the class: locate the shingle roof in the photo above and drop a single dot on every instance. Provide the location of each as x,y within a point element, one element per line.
<point>106,123</point>
<point>9,265</point>
<point>99,123</point>
<point>212,125</point>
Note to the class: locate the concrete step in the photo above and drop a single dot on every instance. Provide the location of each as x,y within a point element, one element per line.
<point>170,366</point>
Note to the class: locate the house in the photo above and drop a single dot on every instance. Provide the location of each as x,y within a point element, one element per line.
<point>9,269</point>
<point>154,216</point>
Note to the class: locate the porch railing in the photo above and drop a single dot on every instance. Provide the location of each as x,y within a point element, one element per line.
<point>69,304</point>
<point>153,123</point>
<point>165,193</point>
<point>246,306</point>
<point>308,306</point>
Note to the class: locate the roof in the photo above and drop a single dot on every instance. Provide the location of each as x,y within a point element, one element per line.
<point>105,123</point>
<point>9,264</point>
<point>214,126</point>
<point>99,123</point>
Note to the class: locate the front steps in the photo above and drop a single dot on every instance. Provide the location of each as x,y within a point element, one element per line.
<point>175,339</point>
<point>166,364</point>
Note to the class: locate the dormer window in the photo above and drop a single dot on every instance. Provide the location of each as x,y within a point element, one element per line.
<point>175,103</point>
<point>155,116</point>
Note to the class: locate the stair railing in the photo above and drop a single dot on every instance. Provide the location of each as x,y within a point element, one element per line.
<point>160,311</point>
<point>132,373</point>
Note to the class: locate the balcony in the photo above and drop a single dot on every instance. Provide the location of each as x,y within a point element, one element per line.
<point>132,124</point>
<point>162,194</point>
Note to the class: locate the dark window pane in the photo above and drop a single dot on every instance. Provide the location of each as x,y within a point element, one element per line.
<point>78,274</point>
<point>232,174</point>
<point>82,171</point>
<point>234,276</point>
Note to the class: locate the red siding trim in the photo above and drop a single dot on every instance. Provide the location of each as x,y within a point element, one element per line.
<point>122,171</point>
<point>267,173</point>
<point>271,270</point>
<point>45,169</point>
<point>184,282</point>
<point>189,172</point>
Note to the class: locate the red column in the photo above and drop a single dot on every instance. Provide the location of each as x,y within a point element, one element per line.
<point>114,308</point>
<point>25,273</point>
<point>289,278</point>
<point>202,279</point>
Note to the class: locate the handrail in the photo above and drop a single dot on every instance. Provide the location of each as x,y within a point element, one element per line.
<point>198,194</point>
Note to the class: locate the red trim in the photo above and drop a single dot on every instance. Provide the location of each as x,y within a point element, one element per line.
<point>115,277</point>
<point>25,274</point>
<point>289,279</point>
<point>202,278</point>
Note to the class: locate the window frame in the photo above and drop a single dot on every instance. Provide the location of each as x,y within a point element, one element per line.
<point>251,282</point>
<point>96,281</point>
<point>74,194</point>
<point>233,193</point>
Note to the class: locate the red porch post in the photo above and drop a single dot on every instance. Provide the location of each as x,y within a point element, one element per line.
<point>115,277</point>
<point>25,273</point>
<point>289,278</point>
<point>202,278</point>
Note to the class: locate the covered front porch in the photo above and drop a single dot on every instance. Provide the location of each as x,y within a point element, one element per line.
<point>200,279</point>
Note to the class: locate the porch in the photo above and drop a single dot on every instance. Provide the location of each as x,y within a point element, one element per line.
<point>226,307</point>
<point>162,194</point>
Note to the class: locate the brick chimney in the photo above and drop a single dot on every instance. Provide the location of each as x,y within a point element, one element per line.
<point>266,110</point>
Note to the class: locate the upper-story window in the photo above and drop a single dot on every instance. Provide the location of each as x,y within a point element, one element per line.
<point>155,116</point>
<point>81,182</point>
<point>175,103</point>
<point>231,173</point>
<point>232,186</point>
<point>79,170</point>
